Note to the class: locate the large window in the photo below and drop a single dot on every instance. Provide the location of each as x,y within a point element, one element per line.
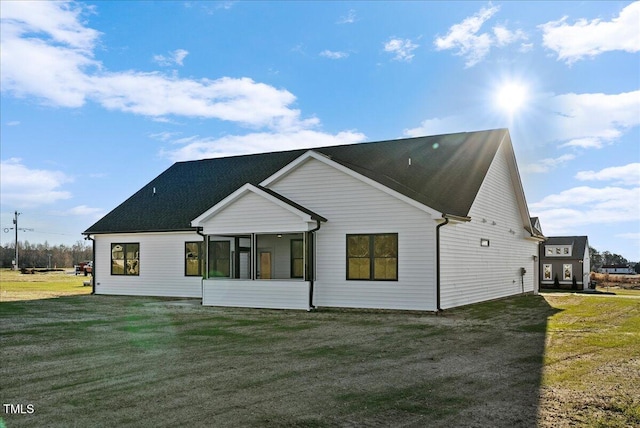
<point>193,259</point>
<point>567,272</point>
<point>125,259</point>
<point>297,258</point>
<point>547,272</point>
<point>372,257</point>
<point>219,259</point>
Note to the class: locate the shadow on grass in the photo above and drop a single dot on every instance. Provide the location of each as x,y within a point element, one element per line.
<point>138,361</point>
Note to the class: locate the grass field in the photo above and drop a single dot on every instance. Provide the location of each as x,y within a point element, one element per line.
<point>16,286</point>
<point>555,360</point>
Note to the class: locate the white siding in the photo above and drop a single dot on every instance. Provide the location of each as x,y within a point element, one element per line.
<point>471,273</point>
<point>253,213</point>
<point>270,294</point>
<point>162,264</point>
<point>352,206</point>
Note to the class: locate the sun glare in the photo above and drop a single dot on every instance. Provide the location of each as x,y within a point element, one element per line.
<point>512,97</point>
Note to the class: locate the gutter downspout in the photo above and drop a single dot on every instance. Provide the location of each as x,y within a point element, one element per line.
<point>199,230</point>
<point>93,263</point>
<point>312,267</point>
<point>446,221</point>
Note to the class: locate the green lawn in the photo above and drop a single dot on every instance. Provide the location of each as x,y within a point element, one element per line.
<point>17,286</point>
<point>557,360</point>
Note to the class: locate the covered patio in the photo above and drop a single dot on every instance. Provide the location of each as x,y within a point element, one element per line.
<point>260,251</point>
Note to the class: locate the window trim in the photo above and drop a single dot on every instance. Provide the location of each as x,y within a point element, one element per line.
<point>124,252</point>
<point>201,265</point>
<point>544,267</point>
<point>564,271</point>
<point>372,257</point>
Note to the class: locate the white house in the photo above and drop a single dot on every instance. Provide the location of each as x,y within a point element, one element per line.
<point>424,223</point>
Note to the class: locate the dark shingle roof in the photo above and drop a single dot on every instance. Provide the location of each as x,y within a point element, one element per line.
<point>445,173</point>
<point>579,244</point>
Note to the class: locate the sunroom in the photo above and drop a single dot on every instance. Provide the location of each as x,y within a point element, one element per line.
<point>260,251</point>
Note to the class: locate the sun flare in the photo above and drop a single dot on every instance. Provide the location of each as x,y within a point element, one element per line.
<point>511,97</point>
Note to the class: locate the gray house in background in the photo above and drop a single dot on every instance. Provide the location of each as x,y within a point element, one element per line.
<point>565,257</point>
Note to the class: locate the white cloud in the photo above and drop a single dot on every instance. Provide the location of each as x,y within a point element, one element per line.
<point>83,210</point>
<point>401,49</point>
<point>591,38</point>
<point>620,175</point>
<point>24,187</point>
<point>173,58</point>
<point>48,53</point>
<point>568,210</point>
<point>349,18</point>
<point>545,165</point>
<point>593,120</point>
<point>472,45</point>
<point>334,54</point>
<point>13,123</point>
<point>196,147</point>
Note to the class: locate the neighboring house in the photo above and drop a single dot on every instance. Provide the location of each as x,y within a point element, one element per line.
<point>565,257</point>
<point>618,269</point>
<point>421,224</point>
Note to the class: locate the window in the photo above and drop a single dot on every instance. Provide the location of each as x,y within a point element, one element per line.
<point>219,259</point>
<point>565,251</point>
<point>193,262</point>
<point>372,257</point>
<point>297,258</point>
<point>125,259</point>
<point>567,274</point>
<point>558,251</point>
<point>547,272</point>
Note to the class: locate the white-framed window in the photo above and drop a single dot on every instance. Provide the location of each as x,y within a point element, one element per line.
<point>558,250</point>
<point>547,272</point>
<point>567,273</point>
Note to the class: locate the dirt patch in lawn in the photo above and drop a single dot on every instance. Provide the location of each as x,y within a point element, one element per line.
<point>117,361</point>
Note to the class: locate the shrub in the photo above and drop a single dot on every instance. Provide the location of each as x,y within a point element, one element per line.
<point>556,281</point>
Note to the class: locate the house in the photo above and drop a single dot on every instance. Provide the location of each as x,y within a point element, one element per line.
<point>565,257</point>
<point>424,223</point>
<point>618,269</point>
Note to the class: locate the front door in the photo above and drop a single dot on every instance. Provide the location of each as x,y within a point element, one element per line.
<point>265,265</point>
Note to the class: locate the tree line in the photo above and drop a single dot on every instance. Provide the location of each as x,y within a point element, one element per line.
<point>598,259</point>
<point>45,255</point>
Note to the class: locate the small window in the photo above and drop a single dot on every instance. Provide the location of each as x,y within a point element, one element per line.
<point>565,251</point>
<point>557,250</point>
<point>219,259</point>
<point>549,251</point>
<point>372,257</point>
<point>547,272</point>
<point>193,262</point>
<point>567,272</point>
<point>484,242</point>
<point>125,259</point>
<point>297,258</point>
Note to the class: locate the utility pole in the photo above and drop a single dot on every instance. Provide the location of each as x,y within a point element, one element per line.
<point>15,223</point>
<point>16,228</point>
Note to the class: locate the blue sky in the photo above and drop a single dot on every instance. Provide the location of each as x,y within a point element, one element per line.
<point>98,98</point>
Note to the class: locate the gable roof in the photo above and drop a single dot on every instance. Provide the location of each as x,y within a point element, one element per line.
<point>263,192</point>
<point>443,172</point>
<point>579,244</point>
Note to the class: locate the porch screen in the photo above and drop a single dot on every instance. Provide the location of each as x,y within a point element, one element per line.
<point>219,259</point>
